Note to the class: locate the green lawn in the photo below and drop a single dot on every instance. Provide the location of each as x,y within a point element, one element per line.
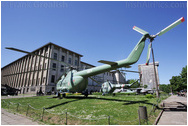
<point>96,109</point>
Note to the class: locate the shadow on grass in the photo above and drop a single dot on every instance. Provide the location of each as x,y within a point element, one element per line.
<point>60,104</point>
<point>125,102</point>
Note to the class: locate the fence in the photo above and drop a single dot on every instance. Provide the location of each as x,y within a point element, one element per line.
<point>66,118</point>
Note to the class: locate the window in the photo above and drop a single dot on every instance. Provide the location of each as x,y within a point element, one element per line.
<point>62,68</point>
<point>63,58</point>
<point>69,60</point>
<point>54,66</point>
<point>56,48</point>
<point>53,79</point>
<point>76,62</point>
<point>55,56</point>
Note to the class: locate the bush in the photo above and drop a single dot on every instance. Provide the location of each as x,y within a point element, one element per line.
<point>149,96</point>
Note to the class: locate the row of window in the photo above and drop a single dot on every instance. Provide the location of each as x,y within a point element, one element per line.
<point>63,59</point>
<point>54,66</point>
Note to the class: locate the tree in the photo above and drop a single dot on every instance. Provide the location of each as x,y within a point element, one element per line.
<point>145,86</point>
<point>165,88</point>
<point>176,83</point>
<point>179,82</point>
<point>135,85</point>
<point>184,77</point>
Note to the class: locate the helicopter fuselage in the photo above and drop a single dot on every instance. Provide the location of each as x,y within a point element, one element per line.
<point>71,83</point>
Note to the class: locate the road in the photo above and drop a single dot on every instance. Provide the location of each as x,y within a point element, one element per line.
<point>175,112</point>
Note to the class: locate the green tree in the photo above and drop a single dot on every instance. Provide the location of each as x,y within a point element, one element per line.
<point>135,85</point>
<point>165,88</point>
<point>145,86</point>
<point>178,83</point>
<point>184,77</point>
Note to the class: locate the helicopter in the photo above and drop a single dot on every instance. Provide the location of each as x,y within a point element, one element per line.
<point>108,88</point>
<point>77,81</point>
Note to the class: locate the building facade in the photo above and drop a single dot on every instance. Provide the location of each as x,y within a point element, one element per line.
<point>147,75</point>
<point>32,73</point>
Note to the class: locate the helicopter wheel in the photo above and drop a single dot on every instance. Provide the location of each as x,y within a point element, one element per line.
<point>64,95</point>
<point>86,95</point>
<point>60,95</point>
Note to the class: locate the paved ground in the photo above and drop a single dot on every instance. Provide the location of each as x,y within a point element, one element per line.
<point>14,119</point>
<point>19,96</point>
<point>174,116</point>
<point>8,118</point>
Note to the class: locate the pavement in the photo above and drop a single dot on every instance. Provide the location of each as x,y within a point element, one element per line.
<point>175,111</point>
<point>18,96</point>
<point>8,118</point>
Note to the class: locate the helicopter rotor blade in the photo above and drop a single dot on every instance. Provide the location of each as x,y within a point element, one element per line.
<point>32,53</point>
<point>140,30</point>
<point>94,80</point>
<point>17,50</point>
<point>148,53</point>
<point>130,71</point>
<point>179,21</point>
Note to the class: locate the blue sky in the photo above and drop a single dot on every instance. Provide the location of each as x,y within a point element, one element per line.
<point>97,30</point>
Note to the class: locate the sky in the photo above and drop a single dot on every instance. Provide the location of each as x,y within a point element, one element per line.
<point>98,30</point>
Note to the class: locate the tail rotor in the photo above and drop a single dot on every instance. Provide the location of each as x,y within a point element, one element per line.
<point>152,37</point>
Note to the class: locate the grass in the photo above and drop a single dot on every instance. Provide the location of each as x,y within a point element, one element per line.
<point>96,109</point>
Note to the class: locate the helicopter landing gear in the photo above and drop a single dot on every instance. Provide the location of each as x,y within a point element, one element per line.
<point>61,95</point>
<point>86,94</point>
<point>64,95</point>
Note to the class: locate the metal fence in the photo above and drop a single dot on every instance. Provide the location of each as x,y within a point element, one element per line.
<point>47,116</point>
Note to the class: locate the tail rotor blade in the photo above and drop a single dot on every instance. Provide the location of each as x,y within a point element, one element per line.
<point>179,21</point>
<point>148,54</point>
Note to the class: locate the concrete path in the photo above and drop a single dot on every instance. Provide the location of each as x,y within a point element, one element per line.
<point>15,119</point>
<point>175,112</point>
<point>18,96</point>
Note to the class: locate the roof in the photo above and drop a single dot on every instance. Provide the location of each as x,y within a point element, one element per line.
<point>87,64</point>
<point>50,43</point>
